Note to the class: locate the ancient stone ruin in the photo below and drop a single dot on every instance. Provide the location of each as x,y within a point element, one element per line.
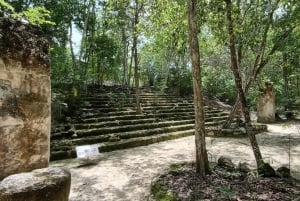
<point>266,104</point>
<point>24,98</point>
<point>25,102</point>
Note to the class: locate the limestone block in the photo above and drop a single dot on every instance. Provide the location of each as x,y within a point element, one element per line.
<point>47,184</point>
<point>266,105</point>
<point>25,94</point>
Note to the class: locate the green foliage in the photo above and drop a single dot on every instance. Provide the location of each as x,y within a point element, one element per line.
<point>35,16</point>
<point>218,83</point>
<point>5,6</point>
<point>254,195</point>
<point>112,98</point>
<point>107,56</point>
<point>227,191</point>
<point>180,82</point>
<point>160,193</point>
<point>162,46</point>
<point>61,65</point>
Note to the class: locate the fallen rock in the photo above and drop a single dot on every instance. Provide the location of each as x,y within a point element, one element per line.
<point>283,172</point>
<point>226,163</point>
<point>47,184</point>
<point>244,167</point>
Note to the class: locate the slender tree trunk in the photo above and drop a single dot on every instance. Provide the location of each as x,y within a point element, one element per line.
<point>233,113</point>
<point>298,88</point>
<point>136,60</point>
<point>130,66</point>
<point>201,153</point>
<point>125,57</point>
<point>285,77</point>
<point>83,39</point>
<point>238,83</point>
<point>259,62</point>
<point>72,50</point>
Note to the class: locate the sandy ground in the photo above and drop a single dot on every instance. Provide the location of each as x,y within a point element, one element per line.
<point>126,175</point>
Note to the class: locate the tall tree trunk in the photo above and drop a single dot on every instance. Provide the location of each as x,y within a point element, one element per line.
<point>72,50</point>
<point>238,83</point>
<point>91,50</point>
<point>130,66</point>
<point>298,84</point>
<point>84,35</point>
<point>125,57</point>
<point>201,153</point>
<point>285,77</point>
<point>233,113</point>
<point>136,59</point>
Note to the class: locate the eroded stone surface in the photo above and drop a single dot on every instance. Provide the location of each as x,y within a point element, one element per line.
<point>47,184</point>
<point>24,99</point>
<point>266,105</point>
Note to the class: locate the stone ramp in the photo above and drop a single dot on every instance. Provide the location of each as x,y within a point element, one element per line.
<point>108,118</point>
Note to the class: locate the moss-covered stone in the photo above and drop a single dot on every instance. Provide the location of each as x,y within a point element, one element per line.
<point>266,170</point>
<point>47,184</point>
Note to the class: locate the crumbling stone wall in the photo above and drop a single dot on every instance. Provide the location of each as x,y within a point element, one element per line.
<point>266,104</point>
<point>24,98</point>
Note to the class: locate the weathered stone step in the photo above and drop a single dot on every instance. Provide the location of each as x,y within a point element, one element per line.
<point>105,106</point>
<point>106,110</point>
<point>132,105</point>
<point>82,130</point>
<point>117,129</point>
<point>68,144</point>
<point>117,113</point>
<point>123,144</point>
<point>180,111</point>
<point>90,118</point>
<point>114,123</point>
<point>125,110</point>
<point>121,96</point>
<point>177,110</point>
<point>112,118</point>
<point>294,106</point>
<point>142,141</point>
<point>132,100</point>
<point>134,116</point>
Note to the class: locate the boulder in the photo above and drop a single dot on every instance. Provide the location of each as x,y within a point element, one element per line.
<point>244,167</point>
<point>47,184</point>
<point>226,163</point>
<point>283,172</point>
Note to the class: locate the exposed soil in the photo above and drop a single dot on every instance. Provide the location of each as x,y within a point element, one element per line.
<point>126,175</point>
<point>183,184</point>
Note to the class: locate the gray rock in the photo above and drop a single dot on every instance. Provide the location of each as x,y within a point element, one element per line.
<point>47,184</point>
<point>226,163</point>
<point>283,172</point>
<point>244,167</point>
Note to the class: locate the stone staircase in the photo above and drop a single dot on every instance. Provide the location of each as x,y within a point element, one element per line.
<point>108,119</point>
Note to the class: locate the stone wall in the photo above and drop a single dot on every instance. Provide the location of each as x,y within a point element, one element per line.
<point>24,98</point>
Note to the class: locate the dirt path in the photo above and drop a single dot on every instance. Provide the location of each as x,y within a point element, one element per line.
<point>126,175</point>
